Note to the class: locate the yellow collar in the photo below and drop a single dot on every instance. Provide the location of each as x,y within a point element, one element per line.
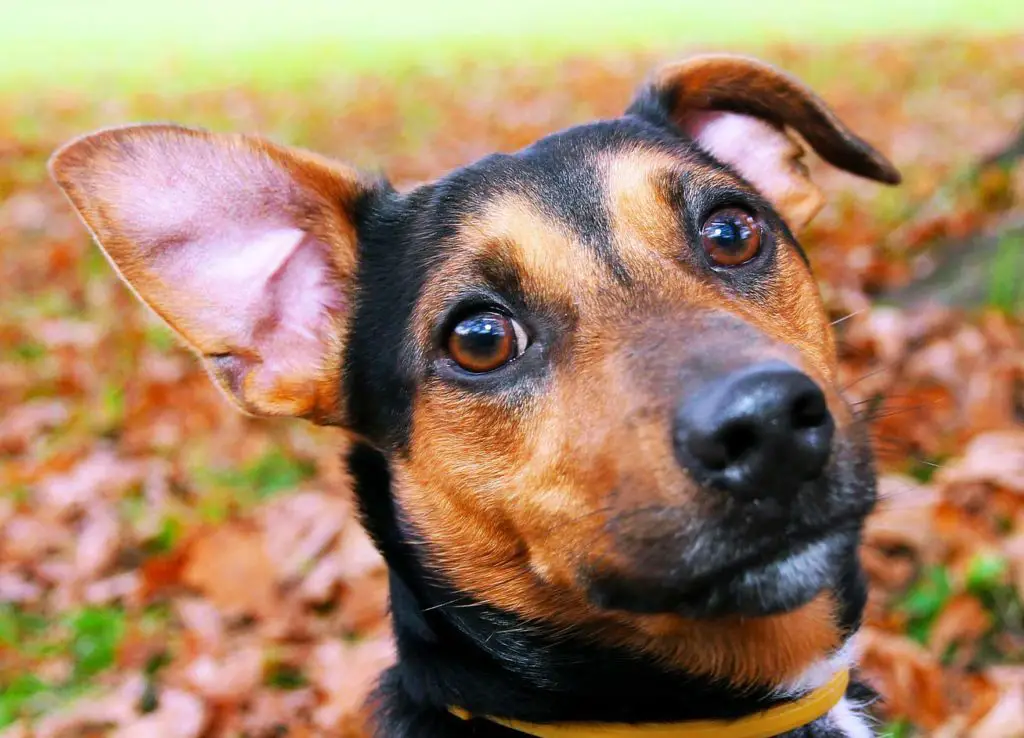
<point>771,722</point>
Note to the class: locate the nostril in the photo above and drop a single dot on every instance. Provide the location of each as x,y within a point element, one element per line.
<point>727,446</point>
<point>809,411</point>
<point>736,441</point>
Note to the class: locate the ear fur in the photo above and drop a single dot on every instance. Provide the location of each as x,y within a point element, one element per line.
<point>738,110</point>
<point>245,248</point>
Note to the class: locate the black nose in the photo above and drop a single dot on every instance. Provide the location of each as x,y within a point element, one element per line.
<point>762,430</point>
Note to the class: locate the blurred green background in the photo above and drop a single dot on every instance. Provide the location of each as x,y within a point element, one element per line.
<point>203,43</point>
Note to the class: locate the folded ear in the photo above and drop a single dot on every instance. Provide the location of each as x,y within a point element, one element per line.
<point>247,250</point>
<point>737,110</point>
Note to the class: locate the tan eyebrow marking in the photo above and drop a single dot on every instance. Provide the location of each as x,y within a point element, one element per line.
<point>552,264</point>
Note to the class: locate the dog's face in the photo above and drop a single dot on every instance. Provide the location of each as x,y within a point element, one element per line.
<point>599,367</point>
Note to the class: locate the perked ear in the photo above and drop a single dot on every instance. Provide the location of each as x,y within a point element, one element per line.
<point>737,110</point>
<point>245,248</point>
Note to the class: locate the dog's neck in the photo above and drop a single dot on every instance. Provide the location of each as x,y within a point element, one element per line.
<point>457,653</point>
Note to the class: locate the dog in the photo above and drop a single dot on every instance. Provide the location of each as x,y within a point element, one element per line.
<point>591,391</point>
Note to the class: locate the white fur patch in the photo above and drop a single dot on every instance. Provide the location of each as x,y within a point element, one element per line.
<point>818,673</point>
<point>847,717</point>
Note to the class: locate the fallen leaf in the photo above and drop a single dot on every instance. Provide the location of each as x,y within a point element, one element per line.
<point>964,619</point>
<point>230,566</point>
<point>233,677</point>
<point>346,673</point>
<point>909,677</point>
<point>995,458</point>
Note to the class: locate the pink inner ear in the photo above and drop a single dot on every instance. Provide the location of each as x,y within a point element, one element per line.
<point>215,247</point>
<point>302,305</point>
<point>763,154</point>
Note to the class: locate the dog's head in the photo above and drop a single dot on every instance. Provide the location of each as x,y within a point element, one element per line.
<point>599,367</point>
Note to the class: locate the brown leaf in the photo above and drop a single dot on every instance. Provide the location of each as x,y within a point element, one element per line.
<point>230,566</point>
<point>21,425</point>
<point>903,517</point>
<point>907,675</point>
<point>1006,718</point>
<point>964,619</point>
<point>299,528</point>
<point>231,678</point>
<point>995,458</point>
<point>101,475</point>
<point>346,673</point>
<point>203,621</point>
<point>178,715</point>
<point>97,544</point>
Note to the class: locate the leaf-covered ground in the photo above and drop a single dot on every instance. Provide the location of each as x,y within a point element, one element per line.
<point>168,567</point>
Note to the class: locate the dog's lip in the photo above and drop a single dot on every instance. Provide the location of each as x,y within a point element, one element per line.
<point>770,587</point>
<point>783,549</point>
<point>777,578</point>
<point>761,562</point>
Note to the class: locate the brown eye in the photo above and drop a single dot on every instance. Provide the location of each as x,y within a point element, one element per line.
<point>731,237</point>
<point>485,341</point>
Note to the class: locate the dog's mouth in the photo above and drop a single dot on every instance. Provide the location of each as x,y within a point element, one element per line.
<point>770,581</point>
<point>773,583</point>
<point>744,558</point>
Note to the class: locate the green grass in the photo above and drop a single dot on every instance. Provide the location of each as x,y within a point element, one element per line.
<point>1006,289</point>
<point>925,601</point>
<point>90,637</point>
<point>192,44</point>
<point>898,729</point>
<point>285,677</point>
<point>96,633</point>
<point>266,476</point>
<point>238,488</point>
<point>987,579</point>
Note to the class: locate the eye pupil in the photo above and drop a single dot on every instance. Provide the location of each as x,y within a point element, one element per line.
<point>481,335</point>
<point>483,342</point>
<point>731,237</point>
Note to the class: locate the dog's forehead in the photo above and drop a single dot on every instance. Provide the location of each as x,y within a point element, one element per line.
<point>566,174</point>
<point>581,207</point>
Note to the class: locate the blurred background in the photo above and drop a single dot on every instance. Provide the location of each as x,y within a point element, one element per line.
<point>170,568</point>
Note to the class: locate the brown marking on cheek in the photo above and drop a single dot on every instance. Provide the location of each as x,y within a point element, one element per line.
<point>805,323</point>
<point>745,651</point>
<point>792,315</point>
<point>808,331</point>
<point>505,466</point>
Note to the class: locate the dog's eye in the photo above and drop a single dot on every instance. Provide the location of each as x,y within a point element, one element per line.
<point>731,237</point>
<point>485,341</point>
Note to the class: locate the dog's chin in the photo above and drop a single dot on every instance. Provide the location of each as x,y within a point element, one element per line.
<point>772,584</point>
<point>768,587</point>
